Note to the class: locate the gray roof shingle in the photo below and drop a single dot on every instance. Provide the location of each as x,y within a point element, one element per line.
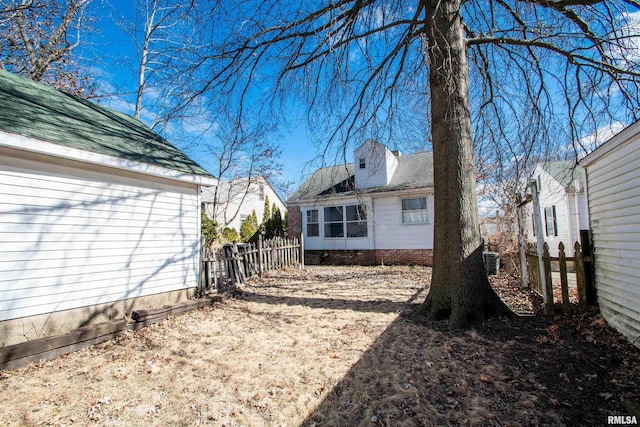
<point>34,110</point>
<point>414,171</point>
<point>565,172</point>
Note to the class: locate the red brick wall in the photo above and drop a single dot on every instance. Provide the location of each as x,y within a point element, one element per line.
<point>294,221</point>
<point>373,257</point>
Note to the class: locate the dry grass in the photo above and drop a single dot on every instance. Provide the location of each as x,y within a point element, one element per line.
<point>327,346</point>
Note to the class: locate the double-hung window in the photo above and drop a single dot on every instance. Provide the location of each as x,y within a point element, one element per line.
<point>345,221</point>
<point>334,221</point>
<point>313,227</point>
<point>414,210</point>
<point>356,221</point>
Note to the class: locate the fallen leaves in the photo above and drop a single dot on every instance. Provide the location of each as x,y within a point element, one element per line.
<point>332,346</point>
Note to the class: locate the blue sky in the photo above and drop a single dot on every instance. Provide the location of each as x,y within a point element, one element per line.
<point>112,58</point>
<point>110,54</point>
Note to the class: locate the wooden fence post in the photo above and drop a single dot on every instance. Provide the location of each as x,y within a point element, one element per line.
<point>587,258</point>
<point>214,269</point>
<point>202,276</point>
<point>537,217</point>
<point>549,307</point>
<point>260,266</point>
<point>524,276</point>
<point>564,283</point>
<point>301,251</point>
<point>580,277</point>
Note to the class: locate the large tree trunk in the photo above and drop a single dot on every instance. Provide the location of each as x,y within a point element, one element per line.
<point>460,290</point>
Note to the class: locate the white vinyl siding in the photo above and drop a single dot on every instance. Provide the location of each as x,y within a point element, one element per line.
<point>614,209</point>
<point>391,233</point>
<point>561,217</point>
<point>71,237</point>
<point>380,165</point>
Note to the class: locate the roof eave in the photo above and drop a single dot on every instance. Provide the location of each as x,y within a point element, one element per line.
<point>369,192</point>
<point>25,143</point>
<point>630,132</point>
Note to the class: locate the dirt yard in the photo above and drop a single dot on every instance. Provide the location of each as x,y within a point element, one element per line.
<point>336,347</point>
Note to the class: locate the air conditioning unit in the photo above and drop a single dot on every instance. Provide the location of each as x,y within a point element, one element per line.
<point>491,262</point>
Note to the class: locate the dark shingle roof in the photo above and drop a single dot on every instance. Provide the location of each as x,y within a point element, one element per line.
<point>34,110</point>
<point>413,171</point>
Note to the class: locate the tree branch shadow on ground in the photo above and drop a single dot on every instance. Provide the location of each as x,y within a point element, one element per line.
<point>369,306</point>
<point>529,371</point>
<point>525,372</point>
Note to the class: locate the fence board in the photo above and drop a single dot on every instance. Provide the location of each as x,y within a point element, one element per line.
<point>564,281</point>
<point>232,265</point>
<point>581,262</point>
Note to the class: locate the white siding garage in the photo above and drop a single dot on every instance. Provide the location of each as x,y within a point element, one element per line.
<point>99,215</point>
<point>613,182</point>
<point>72,237</point>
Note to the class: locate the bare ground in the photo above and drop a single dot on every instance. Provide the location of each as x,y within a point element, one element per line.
<point>336,347</point>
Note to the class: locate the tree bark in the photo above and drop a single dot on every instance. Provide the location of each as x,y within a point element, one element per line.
<point>460,289</point>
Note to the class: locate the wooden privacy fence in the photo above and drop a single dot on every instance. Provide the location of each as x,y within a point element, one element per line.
<point>233,264</point>
<point>582,262</point>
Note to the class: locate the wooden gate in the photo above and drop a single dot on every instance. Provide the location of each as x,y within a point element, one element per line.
<point>582,268</point>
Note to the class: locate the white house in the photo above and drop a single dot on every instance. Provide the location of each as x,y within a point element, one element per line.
<point>98,214</point>
<point>233,201</point>
<point>563,205</point>
<point>613,184</point>
<point>378,210</point>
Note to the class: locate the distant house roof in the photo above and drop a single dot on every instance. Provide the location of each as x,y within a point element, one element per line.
<point>414,171</point>
<point>235,187</point>
<point>565,172</point>
<point>33,110</point>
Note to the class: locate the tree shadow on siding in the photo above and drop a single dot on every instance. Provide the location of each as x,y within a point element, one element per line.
<point>104,305</point>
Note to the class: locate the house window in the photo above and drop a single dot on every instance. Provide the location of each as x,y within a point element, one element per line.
<point>363,163</point>
<point>551,224</point>
<point>352,218</point>
<point>243,218</point>
<point>313,228</point>
<point>333,222</point>
<point>356,221</point>
<point>414,210</point>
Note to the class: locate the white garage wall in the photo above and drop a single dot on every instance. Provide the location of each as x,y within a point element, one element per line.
<point>72,237</point>
<point>613,179</point>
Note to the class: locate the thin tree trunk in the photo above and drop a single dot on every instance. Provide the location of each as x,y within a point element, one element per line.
<point>460,290</point>
<point>149,25</point>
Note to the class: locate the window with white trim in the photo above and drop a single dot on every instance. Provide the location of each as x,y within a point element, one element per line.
<point>345,221</point>
<point>334,221</point>
<point>313,226</point>
<point>356,220</point>
<point>551,224</point>
<point>414,210</point>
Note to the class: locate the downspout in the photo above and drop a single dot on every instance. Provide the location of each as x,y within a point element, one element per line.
<point>372,241</point>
